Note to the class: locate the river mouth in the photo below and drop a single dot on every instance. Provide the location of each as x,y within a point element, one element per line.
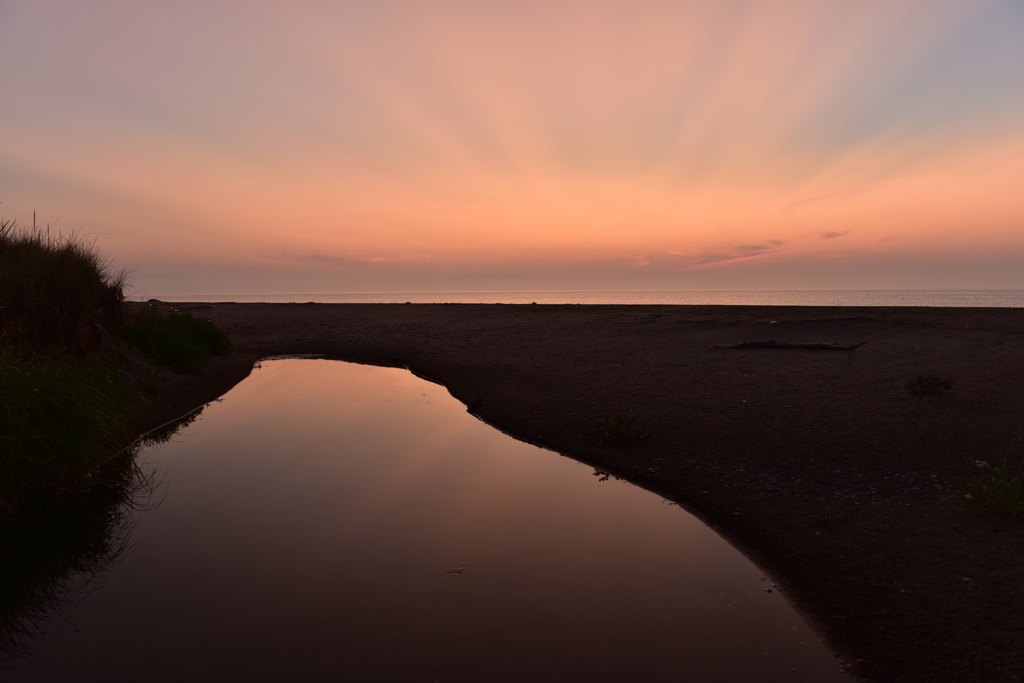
<point>334,521</point>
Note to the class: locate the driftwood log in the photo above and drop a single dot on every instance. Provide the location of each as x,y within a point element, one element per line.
<point>772,344</point>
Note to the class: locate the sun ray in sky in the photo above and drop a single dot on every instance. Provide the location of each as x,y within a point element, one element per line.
<point>601,144</point>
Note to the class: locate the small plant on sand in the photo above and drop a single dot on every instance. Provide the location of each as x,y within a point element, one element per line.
<point>826,515</point>
<point>177,341</point>
<point>998,489</point>
<point>614,430</point>
<point>687,465</point>
<point>151,379</point>
<point>922,384</point>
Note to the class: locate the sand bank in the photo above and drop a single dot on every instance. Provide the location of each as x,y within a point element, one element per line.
<point>906,582</point>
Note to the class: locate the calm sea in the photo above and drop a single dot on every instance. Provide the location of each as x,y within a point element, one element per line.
<point>985,298</point>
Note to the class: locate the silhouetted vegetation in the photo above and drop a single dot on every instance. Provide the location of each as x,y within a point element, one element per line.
<point>67,363</point>
<point>56,293</point>
<point>826,515</point>
<point>68,373</point>
<point>997,489</point>
<point>614,430</point>
<point>62,401</point>
<point>163,434</point>
<point>177,341</point>
<point>61,417</point>
<point>922,384</point>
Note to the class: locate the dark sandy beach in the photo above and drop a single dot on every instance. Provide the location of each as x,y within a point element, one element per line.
<point>906,582</point>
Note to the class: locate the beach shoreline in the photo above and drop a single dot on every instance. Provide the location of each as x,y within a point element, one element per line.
<point>904,579</point>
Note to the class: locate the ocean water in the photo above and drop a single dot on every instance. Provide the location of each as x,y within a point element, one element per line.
<point>978,298</point>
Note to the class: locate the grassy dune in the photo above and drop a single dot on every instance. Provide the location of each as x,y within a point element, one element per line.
<point>71,362</point>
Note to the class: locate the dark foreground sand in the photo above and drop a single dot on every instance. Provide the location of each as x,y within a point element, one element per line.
<point>906,583</point>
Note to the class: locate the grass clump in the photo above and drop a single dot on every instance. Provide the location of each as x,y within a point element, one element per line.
<point>618,429</point>
<point>177,342</point>
<point>921,385</point>
<point>61,418</point>
<point>997,489</point>
<point>64,375</point>
<point>164,433</point>
<point>62,401</point>
<point>56,292</point>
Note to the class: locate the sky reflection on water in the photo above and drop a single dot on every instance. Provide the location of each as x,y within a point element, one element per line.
<point>335,521</point>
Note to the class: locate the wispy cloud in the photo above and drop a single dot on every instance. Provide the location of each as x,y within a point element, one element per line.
<point>831,234</point>
<point>339,260</point>
<point>638,260</point>
<point>697,259</point>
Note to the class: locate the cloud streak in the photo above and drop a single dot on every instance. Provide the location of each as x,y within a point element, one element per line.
<point>831,234</point>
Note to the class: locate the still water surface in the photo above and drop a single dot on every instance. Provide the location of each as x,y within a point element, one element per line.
<point>332,521</point>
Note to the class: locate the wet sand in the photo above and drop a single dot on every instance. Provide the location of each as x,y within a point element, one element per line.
<point>906,582</point>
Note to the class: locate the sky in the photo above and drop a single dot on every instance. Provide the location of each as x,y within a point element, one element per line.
<point>401,145</point>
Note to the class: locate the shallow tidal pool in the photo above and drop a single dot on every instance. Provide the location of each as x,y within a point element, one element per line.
<point>341,522</point>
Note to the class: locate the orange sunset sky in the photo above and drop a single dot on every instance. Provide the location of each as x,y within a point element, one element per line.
<point>401,145</point>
